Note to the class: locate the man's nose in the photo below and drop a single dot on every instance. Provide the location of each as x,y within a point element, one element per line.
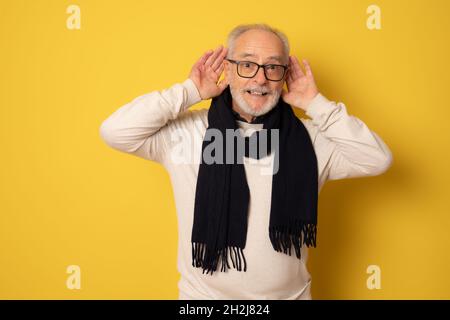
<point>260,78</point>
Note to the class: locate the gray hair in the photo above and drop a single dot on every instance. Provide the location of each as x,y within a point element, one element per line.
<point>240,29</point>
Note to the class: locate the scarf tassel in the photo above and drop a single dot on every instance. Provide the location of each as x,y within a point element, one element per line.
<point>203,257</point>
<point>283,237</point>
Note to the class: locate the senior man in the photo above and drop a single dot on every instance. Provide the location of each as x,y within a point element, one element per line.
<point>243,233</point>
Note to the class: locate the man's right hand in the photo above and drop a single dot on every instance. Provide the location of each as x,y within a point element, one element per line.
<point>206,72</point>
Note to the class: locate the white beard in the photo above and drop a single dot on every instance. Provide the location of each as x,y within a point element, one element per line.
<point>238,96</point>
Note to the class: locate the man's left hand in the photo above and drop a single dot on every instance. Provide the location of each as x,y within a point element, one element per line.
<point>301,86</point>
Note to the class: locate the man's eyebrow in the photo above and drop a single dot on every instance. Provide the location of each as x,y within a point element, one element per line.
<point>276,58</point>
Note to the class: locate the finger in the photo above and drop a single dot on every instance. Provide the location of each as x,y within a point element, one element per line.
<point>213,57</point>
<point>289,76</point>
<point>220,70</point>
<point>297,70</point>
<point>217,63</point>
<point>291,80</point>
<point>200,62</point>
<point>203,58</point>
<point>292,71</point>
<point>307,68</point>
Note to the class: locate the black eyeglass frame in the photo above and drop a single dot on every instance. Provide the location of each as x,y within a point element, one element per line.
<point>237,62</point>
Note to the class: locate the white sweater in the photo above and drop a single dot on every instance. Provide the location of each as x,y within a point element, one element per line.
<point>345,148</point>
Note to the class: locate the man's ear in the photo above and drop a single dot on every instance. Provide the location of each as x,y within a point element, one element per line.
<point>285,84</point>
<point>226,64</point>
<point>286,76</point>
<point>226,79</point>
<point>225,74</point>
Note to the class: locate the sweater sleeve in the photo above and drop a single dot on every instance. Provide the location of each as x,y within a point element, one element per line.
<point>345,146</point>
<point>140,127</point>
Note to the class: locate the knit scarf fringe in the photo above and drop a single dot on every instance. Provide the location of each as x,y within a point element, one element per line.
<point>296,233</point>
<point>203,257</point>
<point>282,238</point>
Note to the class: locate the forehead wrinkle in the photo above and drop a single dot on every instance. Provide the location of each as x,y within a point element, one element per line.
<point>276,58</point>
<point>246,54</point>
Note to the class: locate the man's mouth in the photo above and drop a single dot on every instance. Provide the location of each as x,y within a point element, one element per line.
<point>256,93</point>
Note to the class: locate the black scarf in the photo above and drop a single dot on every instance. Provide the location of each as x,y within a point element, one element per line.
<point>222,193</point>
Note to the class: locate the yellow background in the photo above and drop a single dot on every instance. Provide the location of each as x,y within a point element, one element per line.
<point>69,199</point>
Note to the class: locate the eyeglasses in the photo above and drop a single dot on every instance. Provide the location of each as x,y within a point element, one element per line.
<point>248,69</point>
